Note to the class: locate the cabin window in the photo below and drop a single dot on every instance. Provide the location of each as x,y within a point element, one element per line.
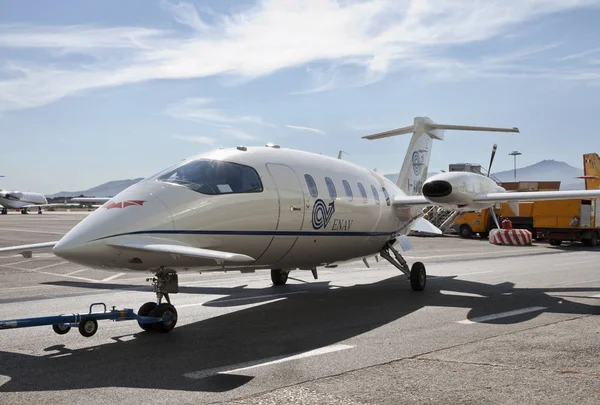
<point>348,190</point>
<point>312,186</point>
<point>213,177</point>
<point>387,196</point>
<point>375,194</point>
<point>363,192</point>
<point>331,188</point>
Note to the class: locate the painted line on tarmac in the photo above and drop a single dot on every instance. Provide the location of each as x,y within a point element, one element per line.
<point>476,272</point>
<point>255,297</point>
<point>38,271</point>
<point>236,368</point>
<point>501,315</point>
<point>31,231</point>
<point>76,272</point>
<point>112,277</point>
<point>4,379</point>
<point>462,294</point>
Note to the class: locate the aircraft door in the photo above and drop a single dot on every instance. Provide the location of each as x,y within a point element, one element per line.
<point>291,212</point>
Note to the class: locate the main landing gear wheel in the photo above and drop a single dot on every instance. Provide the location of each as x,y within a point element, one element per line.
<point>145,311</point>
<point>4,211</point>
<point>279,276</point>
<point>418,276</point>
<point>88,327</point>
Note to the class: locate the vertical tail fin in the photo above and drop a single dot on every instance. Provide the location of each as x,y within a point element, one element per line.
<point>591,171</point>
<point>416,161</point>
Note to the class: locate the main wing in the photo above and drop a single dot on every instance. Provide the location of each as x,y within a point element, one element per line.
<point>419,200</point>
<point>26,250</point>
<point>536,196</point>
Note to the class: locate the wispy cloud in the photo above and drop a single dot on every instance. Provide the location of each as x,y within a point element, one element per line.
<point>198,139</point>
<point>309,129</point>
<point>238,134</point>
<point>197,109</point>
<point>357,42</point>
<point>580,55</point>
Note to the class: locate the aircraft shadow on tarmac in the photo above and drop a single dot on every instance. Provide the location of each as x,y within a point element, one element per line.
<point>297,323</point>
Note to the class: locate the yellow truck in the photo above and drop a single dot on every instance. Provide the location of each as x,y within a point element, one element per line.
<point>567,220</point>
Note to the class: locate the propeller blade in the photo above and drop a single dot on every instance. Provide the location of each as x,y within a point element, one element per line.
<point>492,159</point>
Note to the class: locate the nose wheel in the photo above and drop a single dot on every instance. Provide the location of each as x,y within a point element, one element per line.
<point>165,281</point>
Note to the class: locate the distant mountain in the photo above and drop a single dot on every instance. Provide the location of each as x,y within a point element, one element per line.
<point>109,189</point>
<point>546,170</point>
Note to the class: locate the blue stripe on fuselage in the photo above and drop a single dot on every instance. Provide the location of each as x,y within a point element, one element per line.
<point>248,233</point>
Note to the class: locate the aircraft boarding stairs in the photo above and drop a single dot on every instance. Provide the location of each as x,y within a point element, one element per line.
<point>442,218</point>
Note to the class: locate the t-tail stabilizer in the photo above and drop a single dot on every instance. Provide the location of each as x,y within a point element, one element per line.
<point>416,162</point>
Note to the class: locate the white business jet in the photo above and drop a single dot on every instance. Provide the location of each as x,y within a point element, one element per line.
<point>92,202</point>
<point>249,208</point>
<point>19,200</point>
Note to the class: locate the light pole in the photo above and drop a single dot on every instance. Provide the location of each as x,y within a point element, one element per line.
<point>514,154</point>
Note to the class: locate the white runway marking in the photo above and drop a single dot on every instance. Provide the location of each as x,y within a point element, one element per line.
<point>113,277</point>
<point>4,379</point>
<point>462,294</point>
<point>76,272</point>
<point>264,362</point>
<point>474,273</point>
<point>501,315</point>
<point>31,231</point>
<point>38,270</point>
<point>244,298</point>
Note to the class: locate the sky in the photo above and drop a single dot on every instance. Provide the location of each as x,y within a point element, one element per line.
<point>106,90</point>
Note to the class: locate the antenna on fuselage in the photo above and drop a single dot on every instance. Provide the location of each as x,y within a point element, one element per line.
<point>340,154</point>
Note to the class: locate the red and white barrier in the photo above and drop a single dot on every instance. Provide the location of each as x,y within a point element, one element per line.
<point>513,237</point>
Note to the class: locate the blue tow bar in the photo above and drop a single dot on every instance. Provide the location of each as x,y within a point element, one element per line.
<point>86,323</point>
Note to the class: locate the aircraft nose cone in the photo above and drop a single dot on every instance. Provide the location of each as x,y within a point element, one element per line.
<point>437,188</point>
<point>75,250</point>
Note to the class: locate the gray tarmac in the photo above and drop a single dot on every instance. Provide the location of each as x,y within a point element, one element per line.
<point>496,324</point>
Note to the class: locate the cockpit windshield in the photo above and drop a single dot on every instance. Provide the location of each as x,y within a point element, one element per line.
<point>214,177</point>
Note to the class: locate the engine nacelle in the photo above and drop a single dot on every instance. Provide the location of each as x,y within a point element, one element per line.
<point>456,190</point>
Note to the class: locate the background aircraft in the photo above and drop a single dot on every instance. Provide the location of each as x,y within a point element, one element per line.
<point>249,208</point>
<point>12,199</point>
<point>91,201</point>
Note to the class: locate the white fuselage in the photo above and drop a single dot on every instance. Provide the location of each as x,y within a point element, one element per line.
<point>282,226</point>
<point>20,199</point>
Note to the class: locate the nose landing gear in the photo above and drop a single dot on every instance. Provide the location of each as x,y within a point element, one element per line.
<point>165,281</point>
